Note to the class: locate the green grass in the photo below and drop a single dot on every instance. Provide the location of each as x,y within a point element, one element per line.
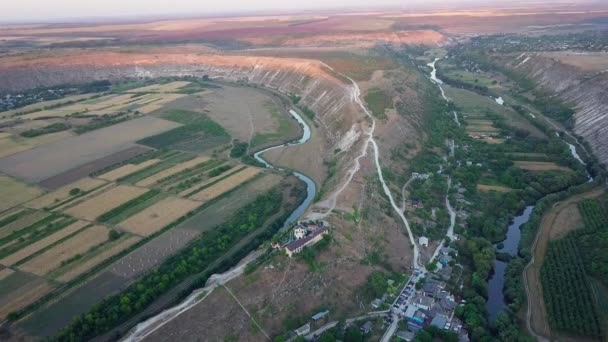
<point>131,207</point>
<point>196,127</point>
<point>378,102</point>
<point>14,282</point>
<point>283,122</point>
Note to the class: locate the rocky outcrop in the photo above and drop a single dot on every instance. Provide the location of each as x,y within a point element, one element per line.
<point>587,91</point>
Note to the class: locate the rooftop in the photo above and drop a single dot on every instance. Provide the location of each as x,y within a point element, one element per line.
<point>292,246</point>
<point>439,321</point>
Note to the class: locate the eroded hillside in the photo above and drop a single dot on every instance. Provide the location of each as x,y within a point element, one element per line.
<point>584,87</point>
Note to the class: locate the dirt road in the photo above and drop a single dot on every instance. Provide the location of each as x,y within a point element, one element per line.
<point>561,219</point>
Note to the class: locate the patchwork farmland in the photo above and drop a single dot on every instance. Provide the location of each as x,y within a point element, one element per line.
<point>108,201</point>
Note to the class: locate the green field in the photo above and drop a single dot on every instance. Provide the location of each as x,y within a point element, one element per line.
<point>378,102</point>
<point>283,130</point>
<point>198,133</point>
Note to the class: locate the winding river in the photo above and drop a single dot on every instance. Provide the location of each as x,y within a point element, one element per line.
<point>144,329</point>
<point>496,298</point>
<point>310,184</point>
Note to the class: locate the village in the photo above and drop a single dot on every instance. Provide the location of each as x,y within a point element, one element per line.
<point>422,300</point>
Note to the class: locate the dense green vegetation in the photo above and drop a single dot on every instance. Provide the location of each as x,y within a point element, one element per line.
<point>219,170</point>
<point>566,290</point>
<point>194,259</point>
<point>101,122</point>
<point>378,102</point>
<point>198,132</point>
<point>594,215</point>
<point>52,128</point>
<point>24,98</point>
<point>239,148</point>
<point>592,242</point>
<point>476,162</point>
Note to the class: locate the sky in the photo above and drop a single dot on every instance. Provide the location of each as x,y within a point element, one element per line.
<point>52,10</point>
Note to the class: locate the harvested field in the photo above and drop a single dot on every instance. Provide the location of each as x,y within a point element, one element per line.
<point>24,295</point>
<point>263,111</point>
<point>42,244</point>
<point>152,180</point>
<point>85,184</point>
<point>22,222</point>
<point>13,192</point>
<point>5,272</point>
<point>217,212</point>
<point>196,187</point>
<point>158,216</point>
<point>106,201</point>
<point>13,144</point>
<point>84,170</point>
<point>128,169</point>
<point>498,188</point>
<point>161,88</point>
<point>226,185</point>
<point>78,244</point>
<point>84,266</point>
<point>53,159</point>
<point>541,166</point>
<point>77,199</point>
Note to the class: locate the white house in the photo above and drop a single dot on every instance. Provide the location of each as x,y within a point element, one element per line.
<point>423,241</point>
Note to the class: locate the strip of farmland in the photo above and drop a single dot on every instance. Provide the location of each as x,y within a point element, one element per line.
<point>152,180</point>
<point>42,244</point>
<point>84,185</point>
<point>5,272</point>
<point>82,267</point>
<point>540,166</point>
<point>158,216</point>
<point>201,185</point>
<point>128,169</point>
<point>13,192</point>
<point>24,296</point>
<point>53,159</point>
<point>106,201</point>
<point>85,170</point>
<point>78,244</point>
<point>21,223</point>
<point>226,185</point>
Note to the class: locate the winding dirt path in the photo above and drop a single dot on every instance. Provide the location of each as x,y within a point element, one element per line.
<point>551,227</point>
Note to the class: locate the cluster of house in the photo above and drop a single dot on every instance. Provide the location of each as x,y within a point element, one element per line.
<point>304,234</point>
<point>433,305</point>
<point>305,329</point>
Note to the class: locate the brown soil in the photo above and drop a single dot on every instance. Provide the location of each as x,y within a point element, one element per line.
<point>82,171</point>
<point>52,159</point>
<point>540,166</point>
<point>561,219</point>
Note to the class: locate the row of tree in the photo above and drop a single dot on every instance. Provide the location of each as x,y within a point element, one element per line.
<point>190,261</point>
<point>566,290</point>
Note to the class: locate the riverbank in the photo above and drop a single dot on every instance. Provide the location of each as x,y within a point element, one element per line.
<point>150,325</point>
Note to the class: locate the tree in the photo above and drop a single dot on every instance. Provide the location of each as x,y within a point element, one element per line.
<point>114,235</point>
